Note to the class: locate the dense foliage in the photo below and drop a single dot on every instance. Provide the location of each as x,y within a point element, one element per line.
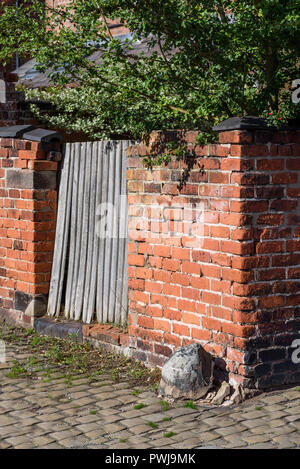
<point>207,60</point>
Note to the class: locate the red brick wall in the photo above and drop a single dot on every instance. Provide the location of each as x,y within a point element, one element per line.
<point>232,285</point>
<point>238,292</point>
<point>28,199</point>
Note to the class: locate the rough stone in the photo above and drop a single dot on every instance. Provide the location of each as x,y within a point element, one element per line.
<point>223,392</point>
<point>236,397</point>
<point>187,374</point>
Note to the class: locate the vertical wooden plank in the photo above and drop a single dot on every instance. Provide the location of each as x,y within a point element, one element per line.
<point>101,221</point>
<point>79,227</point>
<point>66,233</point>
<point>100,262</point>
<point>60,236</point>
<point>110,160</point>
<point>93,287</point>
<point>106,220</point>
<point>91,231</point>
<point>82,271</point>
<point>125,241</point>
<point>114,301</point>
<point>73,224</point>
<point>123,267</point>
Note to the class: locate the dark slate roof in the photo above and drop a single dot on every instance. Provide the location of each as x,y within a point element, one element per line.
<point>31,78</point>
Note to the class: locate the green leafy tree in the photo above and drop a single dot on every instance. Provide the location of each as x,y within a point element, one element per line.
<point>204,61</point>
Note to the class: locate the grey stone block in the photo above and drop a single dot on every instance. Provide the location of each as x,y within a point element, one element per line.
<point>47,326</point>
<point>241,123</point>
<point>22,300</point>
<point>27,179</point>
<point>15,131</point>
<point>42,135</point>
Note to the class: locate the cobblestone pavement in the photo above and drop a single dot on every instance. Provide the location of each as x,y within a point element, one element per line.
<point>102,414</point>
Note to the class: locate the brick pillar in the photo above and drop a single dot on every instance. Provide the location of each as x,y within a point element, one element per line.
<point>28,199</point>
<point>238,292</point>
<point>10,99</point>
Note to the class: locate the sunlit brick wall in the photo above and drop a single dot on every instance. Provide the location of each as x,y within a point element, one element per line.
<point>238,294</point>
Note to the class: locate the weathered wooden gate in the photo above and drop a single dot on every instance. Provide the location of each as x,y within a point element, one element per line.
<point>89,274</point>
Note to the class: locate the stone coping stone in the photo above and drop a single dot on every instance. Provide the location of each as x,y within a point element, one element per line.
<point>252,123</point>
<point>62,330</point>
<point>29,132</point>
<point>15,131</point>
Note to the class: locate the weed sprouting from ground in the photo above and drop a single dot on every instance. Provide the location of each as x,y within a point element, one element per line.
<point>17,370</point>
<point>190,405</point>
<point>164,405</point>
<point>152,424</point>
<point>169,434</point>
<point>139,406</point>
<point>66,358</point>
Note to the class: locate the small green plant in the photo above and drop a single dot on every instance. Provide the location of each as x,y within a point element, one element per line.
<point>164,405</point>
<point>93,412</point>
<point>38,340</point>
<point>122,440</point>
<point>73,336</point>
<point>151,161</point>
<point>139,406</point>
<point>169,434</point>
<point>155,387</point>
<point>32,361</point>
<point>152,424</point>
<point>18,369</point>
<point>298,388</point>
<point>167,419</point>
<point>136,392</point>
<point>46,380</point>
<point>189,405</point>
<point>68,383</point>
<point>258,407</point>
<point>114,374</point>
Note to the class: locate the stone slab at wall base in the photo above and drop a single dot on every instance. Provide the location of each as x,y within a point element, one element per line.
<point>232,283</point>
